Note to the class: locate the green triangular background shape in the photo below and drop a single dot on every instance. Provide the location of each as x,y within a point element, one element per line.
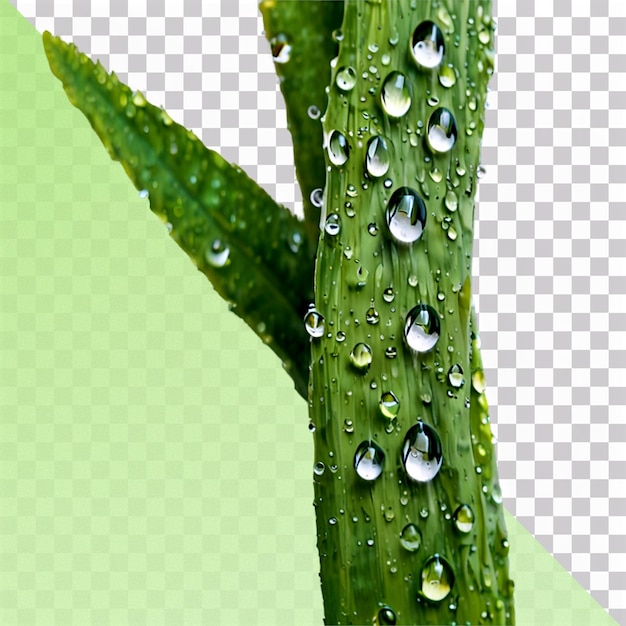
<point>129,396</point>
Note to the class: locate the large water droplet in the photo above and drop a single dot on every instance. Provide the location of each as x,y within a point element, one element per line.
<point>421,452</point>
<point>427,45</point>
<point>338,149</point>
<point>437,578</point>
<point>406,215</point>
<point>389,405</point>
<point>314,323</point>
<point>396,95</point>
<point>332,226</point>
<point>442,131</point>
<point>345,78</point>
<point>217,254</point>
<point>386,616</point>
<point>464,519</point>
<point>455,376</point>
<point>377,158</point>
<point>281,48</point>
<point>369,460</point>
<point>361,356</point>
<point>421,330</point>
<point>411,538</point>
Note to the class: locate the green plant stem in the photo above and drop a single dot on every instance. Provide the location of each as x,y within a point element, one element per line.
<point>364,566</point>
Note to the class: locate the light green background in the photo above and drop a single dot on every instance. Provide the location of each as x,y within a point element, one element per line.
<point>155,462</point>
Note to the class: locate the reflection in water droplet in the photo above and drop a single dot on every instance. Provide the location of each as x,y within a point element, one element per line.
<point>455,376</point>
<point>377,157</point>
<point>332,226</point>
<point>421,330</point>
<point>389,405</point>
<point>427,45</point>
<point>406,215</point>
<point>391,352</point>
<point>437,578</point>
<point>388,294</point>
<point>411,538</point>
<point>369,460</point>
<point>386,616</point>
<point>345,78</point>
<point>442,131</point>
<point>281,48</point>
<point>372,317</point>
<point>348,426</point>
<point>217,254</point>
<point>422,453</point>
<point>447,76</point>
<point>361,356</point>
<point>396,95</point>
<point>372,229</point>
<point>464,519</point>
<point>338,149</point>
<point>314,323</point>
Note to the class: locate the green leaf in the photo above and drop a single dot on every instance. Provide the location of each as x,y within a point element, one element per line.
<point>299,34</point>
<point>254,252</point>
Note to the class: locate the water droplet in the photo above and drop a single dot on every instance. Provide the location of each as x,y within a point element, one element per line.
<point>437,578</point>
<point>478,381</point>
<point>348,426</point>
<point>388,294</point>
<point>484,36</point>
<point>314,323</point>
<point>385,59</point>
<point>464,519</point>
<point>144,193</point>
<point>411,538</point>
<point>372,317</point>
<point>496,494</point>
<point>338,149</point>
<point>281,48</point>
<point>386,616</point>
<point>345,78</point>
<point>361,356</point>
<point>369,460</point>
<point>311,427</point>
<point>341,336</point>
<point>165,118</point>
<point>332,226</point>
<point>389,405</point>
<point>319,468</point>
<point>217,254</point>
<point>332,521</point>
<point>338,35</point>
<point>389,514</point>
<point>316,197</point>
<point>480,172</point>
<point>139,99</point>
<point>396,95</point>
<point>421,452</point>
<point>427,45</point>
<point>406,215</point>
<point>451,201</point>
<point>313,112</point>
<point>412,280</point>
<point>370,542</point>
<point>455,376</point>
<point>377,158</point>
<point>421,330</point>
<point>447,76</point>
<point>387,183</point>
<point>442,131</point>
<point>372,229</point>
<point>391,352</point>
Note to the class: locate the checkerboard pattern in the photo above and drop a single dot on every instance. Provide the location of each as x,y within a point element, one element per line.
<point>550,237</point>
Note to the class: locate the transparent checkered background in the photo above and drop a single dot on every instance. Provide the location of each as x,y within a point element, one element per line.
<point>551,230</point>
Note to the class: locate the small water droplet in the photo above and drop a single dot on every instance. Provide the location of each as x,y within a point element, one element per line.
<point>451,201</point>
<point>480,172</point>
<point>338,149</point>
<point>478,381</point>
<point>316,197</point>
<point>369,460</point>
<point>372,229</point>
<point>348,426</point>
<point>388,294</point>
<point>144,193</point>
<point>391,352</point>
<point>437,578</point>
<point>311,427</point>
<point>406,215</point>
<point>412,280</point>
<point>332,521</point>
<point>396,95</point>
<point>341,336</point>
<point>372,317</point>
<point>484,36</point>
<point>421,330</point>
<point>281,48</point>
<point>411,538</point>
<point>319,468</point>
<point>455,376</point>
<point>496,493</point>
<point>345,78</point>
<point>464,519</point>
<point>377,158</point>
<point>313,112</point>
<point>422,454</point>
<point>338,35</point>
<point>139,99</point>
<point>389,405</point>
<point>361,357</point>
<point>217,254</point>
<point>427,45</point>
<point>447,76</point>
<point>314,323</point>
<point>442,131</point>
<point>386,616</point>
<point>332,226</point>
<point>385,59</point>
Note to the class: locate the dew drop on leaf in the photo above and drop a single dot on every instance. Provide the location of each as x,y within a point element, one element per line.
<point>396,95</point>
<point>427,45</point>
<point>437,578</point>
<point>314,323</point>
<point>422,454</point>
<point>338,149</point>
<point>442,130</point>
<point>369,460</point>
<point>421,330</point>
<point>377,158</point>
<point>464,519</point>
<point>406,215</point>
<point>411,538</point>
